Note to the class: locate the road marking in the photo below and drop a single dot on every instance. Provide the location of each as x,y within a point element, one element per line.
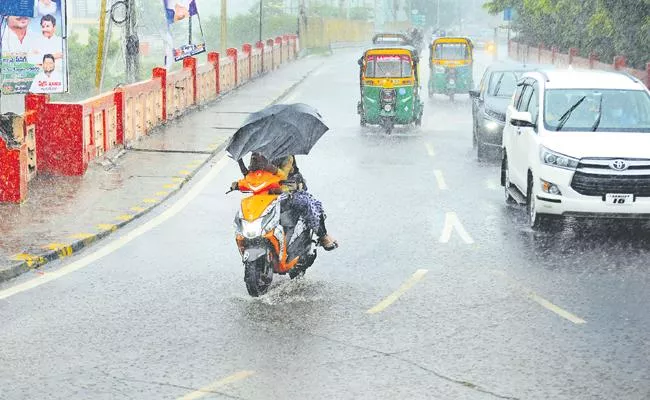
<point>150,201</point>
<point>138,209</point>
<point>236,377</point>
<point>30,259</point>
<point>178,180</point>
<point>491,184</point>
<point>121,241</point>
<point>107,227</point>
<point>441,180</point>
<point>184,172</point>
<point>162,193</point>
<point>430,149</point>
<point>382,305</point>
<point>453,223</point>
<point>170,186</point>
<point>542,301</point>
<point>124,217</point>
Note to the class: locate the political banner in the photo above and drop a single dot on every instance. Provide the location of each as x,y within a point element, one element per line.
<point>184,24</point>
<point>34,56</point>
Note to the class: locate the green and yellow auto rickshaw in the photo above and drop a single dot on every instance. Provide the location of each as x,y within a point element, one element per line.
<point>390,87</point>
<point>451,63</point>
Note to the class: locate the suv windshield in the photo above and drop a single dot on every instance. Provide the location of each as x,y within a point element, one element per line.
<point>503,83</point>
<point>597,110</point>
<point>388,67</point>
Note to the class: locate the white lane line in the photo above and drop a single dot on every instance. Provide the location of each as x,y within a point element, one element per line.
<point>442,185</point>
<point>122,241</point>
<point>430,149</point>
<point>236,377</point>
<point>542,301</point>
<point>382,305</point>
<point>453,223</point>
<point>491,184</point>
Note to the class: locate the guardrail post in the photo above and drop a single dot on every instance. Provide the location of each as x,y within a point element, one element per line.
<point>553,54</point>
<point>213,58</point>
<point>248,50</point>
<point>161,73</point>
<point>118,99</point>
<point>14,169</point>
<point>232,53</point>
<point>271,43</point>
<point>260,46</point>
<point>190,63</point>
<point>278,42</point>
<point>619,62</point>
<point>593,58</point>
<point>573,53</point>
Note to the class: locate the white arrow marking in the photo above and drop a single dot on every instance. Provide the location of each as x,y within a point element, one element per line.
<point>453,223</point>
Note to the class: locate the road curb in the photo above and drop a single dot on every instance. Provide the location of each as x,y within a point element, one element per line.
<point>26,262</point>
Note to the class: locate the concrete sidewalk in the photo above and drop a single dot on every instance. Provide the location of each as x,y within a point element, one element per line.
<point>66,214</point>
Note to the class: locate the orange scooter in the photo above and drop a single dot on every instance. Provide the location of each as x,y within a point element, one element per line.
<point>271,237</point>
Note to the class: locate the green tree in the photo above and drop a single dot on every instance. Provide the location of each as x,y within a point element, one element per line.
<point>605,27</point>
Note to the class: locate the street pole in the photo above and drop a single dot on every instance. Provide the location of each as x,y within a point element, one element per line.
<point>132,44</point>
<point>99,67</point>
<point>261,16</point>
<point>224,26</point>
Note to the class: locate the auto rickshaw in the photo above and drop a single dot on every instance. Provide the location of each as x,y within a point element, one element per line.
<point>390,87</point>
<point>390,39</point>
<point>451,63</point>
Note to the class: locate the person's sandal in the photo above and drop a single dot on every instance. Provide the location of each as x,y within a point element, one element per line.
<point>328,243</point>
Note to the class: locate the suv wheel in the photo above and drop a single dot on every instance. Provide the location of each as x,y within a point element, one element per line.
<point>536,220</point>
<point>505,172</point>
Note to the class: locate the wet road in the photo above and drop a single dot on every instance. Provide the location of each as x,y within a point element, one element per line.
<point>488,309</point>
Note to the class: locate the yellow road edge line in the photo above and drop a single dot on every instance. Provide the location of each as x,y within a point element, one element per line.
<point>162,193</point>
<point>107,227</point>
<point>150,201</point>
<point>236,377</point>
<point>184,172</point>
<point>442,185</point>
<point>430,149</point>
<point>124,217</point>
<point>543,302</point>
<point>138,209</point>
<point>170,186</point>
<point>382,305</point>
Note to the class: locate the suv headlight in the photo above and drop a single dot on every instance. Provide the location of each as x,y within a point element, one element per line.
<point>558,160</point>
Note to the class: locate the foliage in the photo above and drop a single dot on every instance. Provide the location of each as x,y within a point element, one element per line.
<point>81,64</point>
<point>605,27</point>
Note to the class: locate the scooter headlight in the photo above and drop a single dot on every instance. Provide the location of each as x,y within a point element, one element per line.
<point>253,229</point>
<point>388,107</point>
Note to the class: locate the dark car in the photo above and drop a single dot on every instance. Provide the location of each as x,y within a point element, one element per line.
<point>490,102</point>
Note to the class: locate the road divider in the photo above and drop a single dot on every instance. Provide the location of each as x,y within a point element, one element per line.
<point>385,303</point>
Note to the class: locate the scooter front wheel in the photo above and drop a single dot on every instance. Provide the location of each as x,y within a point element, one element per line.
<point>258,276</point>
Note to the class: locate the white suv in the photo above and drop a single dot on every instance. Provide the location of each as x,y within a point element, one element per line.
<point>577,143</point>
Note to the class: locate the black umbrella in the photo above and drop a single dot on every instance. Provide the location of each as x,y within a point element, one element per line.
<point>278,131</point>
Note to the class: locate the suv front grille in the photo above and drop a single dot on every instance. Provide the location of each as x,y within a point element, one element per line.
<point>595,177</point>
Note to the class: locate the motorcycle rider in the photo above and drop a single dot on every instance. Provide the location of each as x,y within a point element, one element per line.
<point>300,200</point>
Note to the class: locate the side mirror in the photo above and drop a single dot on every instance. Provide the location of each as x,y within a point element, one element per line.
<point>360,62</point>
<point>474,93</point>
<point>522,119</point>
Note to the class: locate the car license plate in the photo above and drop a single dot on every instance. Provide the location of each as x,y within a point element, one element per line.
<point>619,198</point>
